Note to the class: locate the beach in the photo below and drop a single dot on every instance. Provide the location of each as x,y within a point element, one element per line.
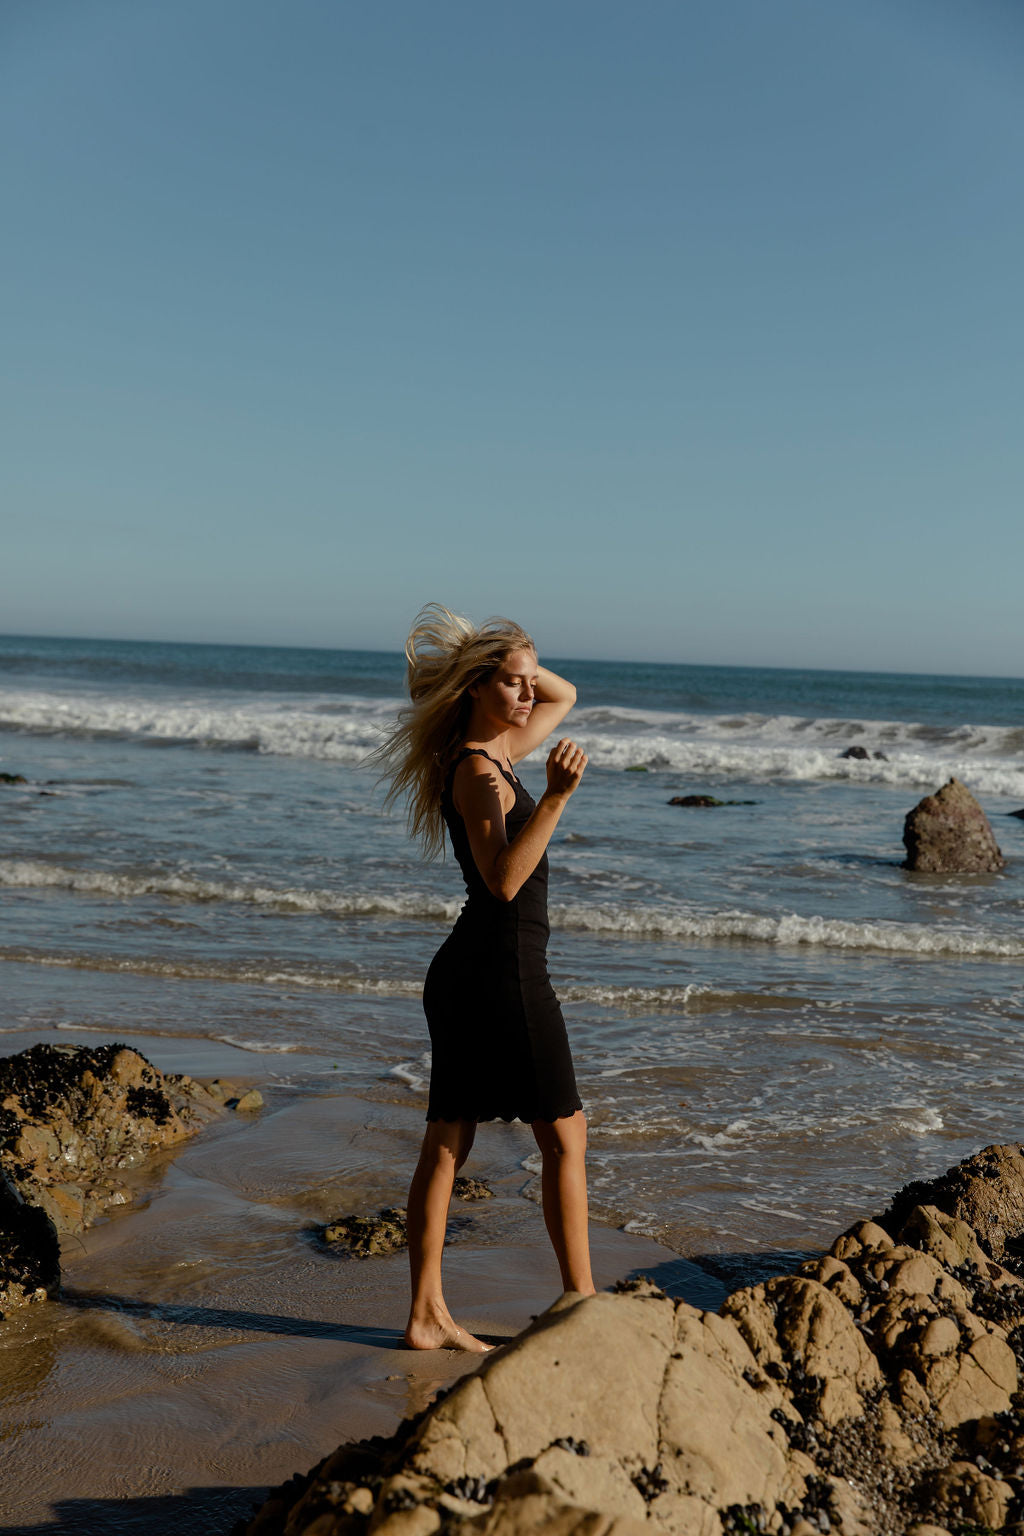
<point>207,1346</point>
<point>774,1024</point>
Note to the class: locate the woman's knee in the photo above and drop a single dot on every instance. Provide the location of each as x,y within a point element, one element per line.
<point>449,1141</point>
<point>566,1137</point>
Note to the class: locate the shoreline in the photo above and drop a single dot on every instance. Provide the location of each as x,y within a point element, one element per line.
<point>204,1339</point>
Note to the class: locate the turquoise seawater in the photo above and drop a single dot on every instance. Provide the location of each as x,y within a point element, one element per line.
<point>774,1024</point>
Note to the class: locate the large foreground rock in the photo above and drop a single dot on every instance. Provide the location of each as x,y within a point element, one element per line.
<point>73,1120</point>
<point>949,833</point>
<point>875,1393</point>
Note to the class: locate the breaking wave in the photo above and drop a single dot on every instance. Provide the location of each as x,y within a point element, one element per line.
<point>748,747</point>
<point>625,920</point>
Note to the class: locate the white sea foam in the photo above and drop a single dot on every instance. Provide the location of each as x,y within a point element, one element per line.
<point>414,1074</point>
<point>634,921</point>
<point>752,748</point>
<point>104,882</point>
<point>263,1047</point>
<point>786,930</point>
<point>344,730</point>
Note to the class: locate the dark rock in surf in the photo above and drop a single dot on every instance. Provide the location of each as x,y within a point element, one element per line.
<point>13,778</point>
<point>366,1237</point>
<point>73,1118</point>
<point>471,1189</point>
<point>706,802</point>
<point>948,833</point>
<point>1019,814</point>
<point>862,755</point>
<point>370,1237</point>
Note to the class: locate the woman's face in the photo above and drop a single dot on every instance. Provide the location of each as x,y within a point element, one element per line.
<point>506,697</point>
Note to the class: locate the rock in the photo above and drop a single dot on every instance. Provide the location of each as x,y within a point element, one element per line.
<point>800,1333</point>
<point>367,1237</point>
<point>73,1118</point>
<point>706,801</point>
<point>986,1192</point>
<point>29,1250</point>
<point>964,1494</point>
<point>13,778</point>
<point>640,768</point>
<point>948,833</point>
<point>248,1103</point>
<point>223,1091</point>
<point>862,755</point>
<point>471,1189</point>
<point>1019,814</point>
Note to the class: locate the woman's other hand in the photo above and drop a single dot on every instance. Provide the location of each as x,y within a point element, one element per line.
<point>566,762</point>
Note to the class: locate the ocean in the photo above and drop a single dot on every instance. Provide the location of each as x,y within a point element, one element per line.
<point>774,1024</point>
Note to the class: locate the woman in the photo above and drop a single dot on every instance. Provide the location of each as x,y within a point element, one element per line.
<point>481,703</point>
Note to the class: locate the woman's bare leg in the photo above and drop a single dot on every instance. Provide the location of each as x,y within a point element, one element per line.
<point>563,1146</point>
<point>445,1148</point>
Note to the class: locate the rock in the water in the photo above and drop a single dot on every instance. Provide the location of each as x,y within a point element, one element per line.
<point>862,755</point>
<point>1019,814</point>
<point>71,1118</point>
<point>948,833</point>
<point>367,1237</point>
<point>876,1391</point>
<point>13,778</point>
<point>248,1103</point>
<point>29,1250</point>
<point>706,802</point>
<point>471,1189</point>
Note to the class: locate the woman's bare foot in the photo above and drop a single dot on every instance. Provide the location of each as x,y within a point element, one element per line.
<point>437,1329</point>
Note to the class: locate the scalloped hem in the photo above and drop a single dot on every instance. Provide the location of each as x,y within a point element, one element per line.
<point>484,1119</point>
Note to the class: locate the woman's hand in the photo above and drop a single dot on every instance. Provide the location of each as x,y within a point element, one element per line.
<point>566,762</point>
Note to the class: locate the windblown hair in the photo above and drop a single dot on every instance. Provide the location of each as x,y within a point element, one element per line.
<point>446,655</point>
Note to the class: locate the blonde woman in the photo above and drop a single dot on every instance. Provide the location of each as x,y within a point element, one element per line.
<point>481,703</point>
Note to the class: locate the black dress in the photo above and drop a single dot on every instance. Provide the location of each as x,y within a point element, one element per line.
<point>498,1041</point>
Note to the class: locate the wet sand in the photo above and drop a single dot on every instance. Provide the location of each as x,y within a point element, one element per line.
<point>205,1348</point>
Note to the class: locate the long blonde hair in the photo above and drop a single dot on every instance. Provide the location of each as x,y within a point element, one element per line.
<point>446,655</point>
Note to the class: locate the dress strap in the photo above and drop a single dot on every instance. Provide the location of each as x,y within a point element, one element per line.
<point>465,752</point>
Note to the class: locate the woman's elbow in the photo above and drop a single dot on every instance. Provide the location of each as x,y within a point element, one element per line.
<point>503,888</point>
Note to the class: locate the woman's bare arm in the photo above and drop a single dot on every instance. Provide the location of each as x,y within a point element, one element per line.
<point>506,866</point>
<point>553,698</point>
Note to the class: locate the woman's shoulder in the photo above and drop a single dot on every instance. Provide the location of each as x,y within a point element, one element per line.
<point>474,763</point>
<point>475,773</point>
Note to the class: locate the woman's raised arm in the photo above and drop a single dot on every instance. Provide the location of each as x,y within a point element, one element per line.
<point>553,698</point>
<point>506,866</point>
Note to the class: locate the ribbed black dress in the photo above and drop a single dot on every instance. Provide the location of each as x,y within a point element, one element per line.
<point>499,1050</point>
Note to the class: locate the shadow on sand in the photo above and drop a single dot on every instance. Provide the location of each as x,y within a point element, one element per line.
<point>226,1317</point>
<point>196,1513</point>
<point>708,1278</point>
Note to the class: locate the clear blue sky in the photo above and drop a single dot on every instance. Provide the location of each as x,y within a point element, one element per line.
<point>689,330</point>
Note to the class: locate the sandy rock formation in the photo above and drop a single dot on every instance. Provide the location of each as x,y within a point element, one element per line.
<point>875,1393</point>
<point>948,833</point>
<point>72,1119</point>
